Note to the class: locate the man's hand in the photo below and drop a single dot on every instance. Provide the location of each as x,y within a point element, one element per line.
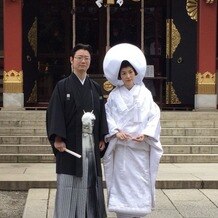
<point>59,144</point>
<point>101,145</point>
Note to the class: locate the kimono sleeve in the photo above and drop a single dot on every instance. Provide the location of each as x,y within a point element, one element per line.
<point>103,130</point>
<point>55,118</point>
<point>153,125</point>
<point>112,126</point>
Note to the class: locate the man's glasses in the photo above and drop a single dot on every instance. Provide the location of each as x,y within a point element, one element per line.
<point>80,58</point>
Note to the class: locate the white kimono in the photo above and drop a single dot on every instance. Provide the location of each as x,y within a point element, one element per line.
<point>131,167</point>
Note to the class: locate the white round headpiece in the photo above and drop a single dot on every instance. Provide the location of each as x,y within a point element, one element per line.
<point>117,54</point>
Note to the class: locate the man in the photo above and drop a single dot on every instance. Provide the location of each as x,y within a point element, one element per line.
<point>77,194</point>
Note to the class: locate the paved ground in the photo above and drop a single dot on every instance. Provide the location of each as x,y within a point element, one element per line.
<point>170,203</point>
<point>184,190</point>
<point>12,203</point>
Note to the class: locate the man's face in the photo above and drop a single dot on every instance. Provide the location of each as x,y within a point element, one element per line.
<point>81,61</point>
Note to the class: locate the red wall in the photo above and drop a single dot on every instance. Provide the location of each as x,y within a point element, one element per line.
<point>12,35</point>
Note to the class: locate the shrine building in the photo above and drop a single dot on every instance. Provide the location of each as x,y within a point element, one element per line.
<point>178,37</point>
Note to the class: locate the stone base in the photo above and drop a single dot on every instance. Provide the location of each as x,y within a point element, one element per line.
<point>13,101</point>
<point>205,101</point>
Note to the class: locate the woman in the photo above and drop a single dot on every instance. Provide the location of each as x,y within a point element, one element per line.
<point>134,151</point>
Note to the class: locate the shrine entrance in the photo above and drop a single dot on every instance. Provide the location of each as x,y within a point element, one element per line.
<point>52,28</point>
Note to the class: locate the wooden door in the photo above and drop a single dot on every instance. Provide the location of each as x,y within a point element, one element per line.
<point>54,45</point>
<point>90,28</point>
<point>46,47</point>
<point>30,68</point>
<point>181,52</point>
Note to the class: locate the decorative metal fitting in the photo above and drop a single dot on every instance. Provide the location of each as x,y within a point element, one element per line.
<point>210,1</point>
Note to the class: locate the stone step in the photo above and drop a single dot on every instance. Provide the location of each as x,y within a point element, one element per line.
<point>190,149</point>
<point>23,176</point>
<point>16,131</point>
<point>168,149</point>
<point>27,158</point>
<point>165,140</point>
<point>189,140</point>
<point>189,115</point>
<point>23,115</point>
<point>40,130</point>
<point>29,140</point>
<point>33,123</point>
<point>189,158</point>
<point>189,131</point>
<point>189,123</point>
<point>165,115</point>
<point>24,123</point>
<point>25,149</point>
<point>166,158</point>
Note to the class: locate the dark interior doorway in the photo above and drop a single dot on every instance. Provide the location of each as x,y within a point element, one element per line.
<point>56,33</point>
<point>54,45</point>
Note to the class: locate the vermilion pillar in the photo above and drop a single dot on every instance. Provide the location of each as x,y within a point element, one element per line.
<point>13,74</point>
<point>206,96</point>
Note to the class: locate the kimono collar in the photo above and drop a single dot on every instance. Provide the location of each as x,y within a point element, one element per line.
<point>120,102</point>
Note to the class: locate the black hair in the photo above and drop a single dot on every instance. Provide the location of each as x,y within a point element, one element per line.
<point>124,64</point>
<point>79,46</point>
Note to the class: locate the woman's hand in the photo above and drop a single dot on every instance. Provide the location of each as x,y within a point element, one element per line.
<point>140,138</point>
<point>122,136</point>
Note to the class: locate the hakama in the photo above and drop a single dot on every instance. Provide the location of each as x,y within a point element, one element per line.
<point>81,197</point>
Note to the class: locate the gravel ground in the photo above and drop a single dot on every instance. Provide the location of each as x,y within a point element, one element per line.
<point>12,203</point>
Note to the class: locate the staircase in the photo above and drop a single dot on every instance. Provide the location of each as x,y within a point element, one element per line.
<point>23,137</point>
<point>1,80</point>
<point>187,137</point>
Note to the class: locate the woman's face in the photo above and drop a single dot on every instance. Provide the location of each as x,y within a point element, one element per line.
<point>127,75</point>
